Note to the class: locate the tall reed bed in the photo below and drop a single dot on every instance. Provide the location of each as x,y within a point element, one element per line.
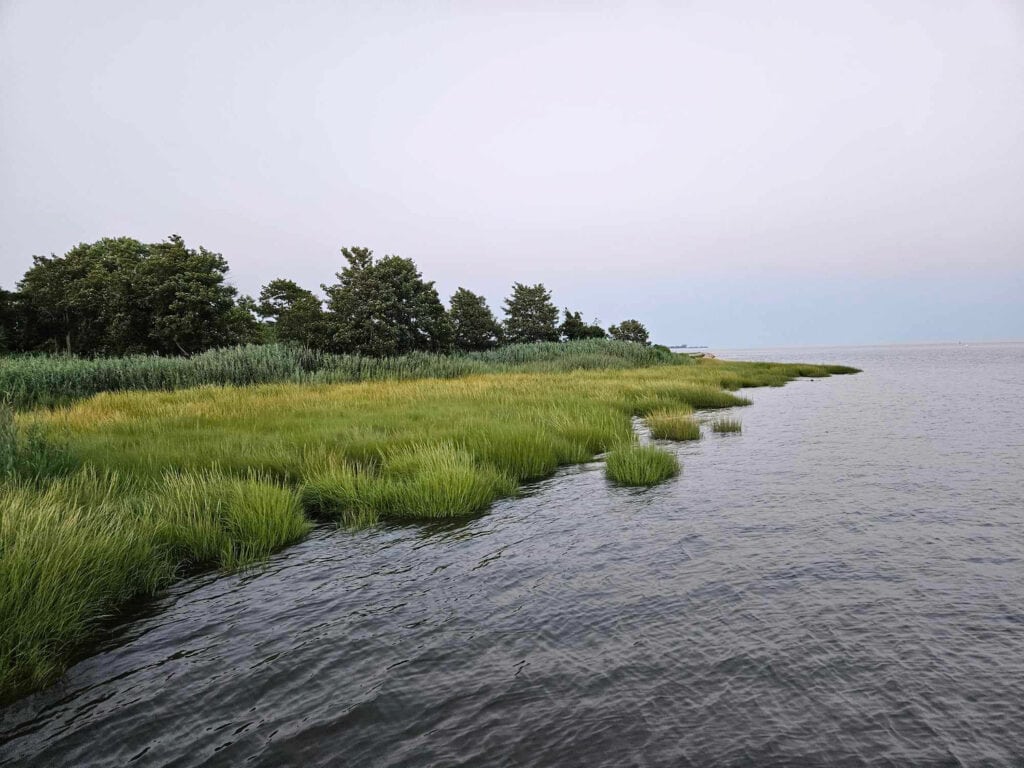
<point>155,483</point>
<point>46,380</point>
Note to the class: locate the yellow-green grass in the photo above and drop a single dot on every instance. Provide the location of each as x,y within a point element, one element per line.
<point>725,424</point>
<point>157,483</point>
<point>640,465</point>
<point>74,551</point>
<point>677,424</point>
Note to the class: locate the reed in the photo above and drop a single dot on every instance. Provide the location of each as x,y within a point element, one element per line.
<point>640,465</point>
<point>49,380</point>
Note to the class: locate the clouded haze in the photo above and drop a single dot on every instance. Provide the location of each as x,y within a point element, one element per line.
<point>732,173</point>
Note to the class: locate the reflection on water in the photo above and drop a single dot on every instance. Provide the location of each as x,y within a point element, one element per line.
<point>842,583</point>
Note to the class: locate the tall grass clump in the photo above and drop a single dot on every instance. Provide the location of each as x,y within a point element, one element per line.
<point>424,482</point>
<point>640,465</point>
<point>725,424</point>
<point>27,452</point>
<point>673,425</point>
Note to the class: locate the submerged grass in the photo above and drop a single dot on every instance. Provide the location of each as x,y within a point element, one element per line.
<point>640,465</point>
<point>114,497</point>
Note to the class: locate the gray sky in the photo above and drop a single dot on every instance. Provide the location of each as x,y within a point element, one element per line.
<point>731,173</point>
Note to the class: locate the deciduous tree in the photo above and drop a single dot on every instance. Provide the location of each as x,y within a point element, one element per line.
<point>474,326</point>
<point>384,307</point>
<point>574,328</point>
<point>295,314</point>
<point>630,330</point>
<point>530,315</point>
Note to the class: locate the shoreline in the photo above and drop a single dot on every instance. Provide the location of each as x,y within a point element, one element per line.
<point>221,477</point>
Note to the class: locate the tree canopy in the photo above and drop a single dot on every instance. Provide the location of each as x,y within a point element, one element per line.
<point>295,314</point>
<point>530,315</point>
<point>574,328</point>
<point>474,326</point>
<point>384,307</point>
<point>120,296</point>
<point>630,330</point>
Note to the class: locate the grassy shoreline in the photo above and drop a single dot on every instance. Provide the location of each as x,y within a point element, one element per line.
<point>148,485</point>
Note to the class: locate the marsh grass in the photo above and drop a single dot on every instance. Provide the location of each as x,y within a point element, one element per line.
<point>50,380</point>
<point>72,552</point>
<point>640,465</point>
<point>676,424</point>
<point>113,497</point>
<point>726,424</point>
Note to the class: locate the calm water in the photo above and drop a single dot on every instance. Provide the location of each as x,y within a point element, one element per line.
<point>841,584</point>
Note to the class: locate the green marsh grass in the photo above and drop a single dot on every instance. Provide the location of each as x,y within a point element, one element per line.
<point>49,380</point>
<point>147,485</point>
<point>726,424</point>
<point>640,465</point>
<point>678,424</point>
<point>74,551</point>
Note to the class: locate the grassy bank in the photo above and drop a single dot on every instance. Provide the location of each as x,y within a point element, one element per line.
<point>30,381</point>
<point>115,496</point>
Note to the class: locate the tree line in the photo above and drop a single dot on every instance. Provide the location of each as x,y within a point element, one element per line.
<point>120,296</point>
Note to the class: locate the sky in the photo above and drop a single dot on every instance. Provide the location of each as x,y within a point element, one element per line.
<point>730,173</point>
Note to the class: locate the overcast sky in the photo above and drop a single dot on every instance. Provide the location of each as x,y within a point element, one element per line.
<point>731,173</point>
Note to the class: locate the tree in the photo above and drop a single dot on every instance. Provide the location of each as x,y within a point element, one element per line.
<point>86,301</point>
<point>8,321</point>
<point>530,315</point>
<point>474,326</point>
<point>296,315</point>
<point>118,296</point>
<point>573,328</point>
<point>187,299</point>
<point>629,330</point>
<point>384,307</point>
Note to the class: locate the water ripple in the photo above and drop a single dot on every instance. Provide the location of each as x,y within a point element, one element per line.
<point>840,585</point>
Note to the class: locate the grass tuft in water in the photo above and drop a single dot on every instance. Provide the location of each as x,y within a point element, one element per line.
<point>673,425</point>
<point>640,465</point>
<point>724,424</point>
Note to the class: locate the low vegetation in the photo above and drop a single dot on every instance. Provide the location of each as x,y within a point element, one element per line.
<point>678,424</point>
<point>47,380</point>
<point>725,424</point>
<point>640,465</point>
<point>113,497</point>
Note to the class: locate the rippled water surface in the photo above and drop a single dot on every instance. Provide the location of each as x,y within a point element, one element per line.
<point>840,584</point>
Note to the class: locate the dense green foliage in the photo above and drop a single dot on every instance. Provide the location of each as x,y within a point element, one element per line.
<point>120,296</point>
<point>629,330</point>
<point>383,308</point>
<point>293,314</point>
<point>573,328</point>
<point>530,315</point>
<point>45,380</point>
<point>474,326</point>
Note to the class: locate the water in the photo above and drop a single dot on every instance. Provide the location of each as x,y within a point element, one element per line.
<point>840,584</point>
